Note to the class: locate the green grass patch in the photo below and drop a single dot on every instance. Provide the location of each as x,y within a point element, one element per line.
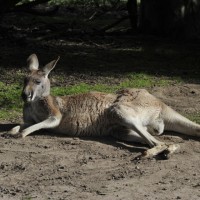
<point>132,81</point>
<point>82,88</point>
<point>10,100</point>
<point>144,80</point>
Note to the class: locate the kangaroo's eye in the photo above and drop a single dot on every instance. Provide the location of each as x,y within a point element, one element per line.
<point>37,82</point>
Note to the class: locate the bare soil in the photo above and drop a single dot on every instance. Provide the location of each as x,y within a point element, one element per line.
<point>46,166</point>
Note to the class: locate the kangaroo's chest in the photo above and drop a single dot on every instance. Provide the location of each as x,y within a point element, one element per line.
<point>35,112</point>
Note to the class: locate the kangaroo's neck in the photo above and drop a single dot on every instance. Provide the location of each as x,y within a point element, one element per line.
<point>49,104</point>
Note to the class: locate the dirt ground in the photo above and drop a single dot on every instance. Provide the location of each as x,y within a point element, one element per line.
<point>45,166</point>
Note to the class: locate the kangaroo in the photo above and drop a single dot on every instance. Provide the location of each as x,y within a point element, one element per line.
<point>130,114</point>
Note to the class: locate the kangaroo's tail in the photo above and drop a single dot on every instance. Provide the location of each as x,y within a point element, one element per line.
<point>175,122</point>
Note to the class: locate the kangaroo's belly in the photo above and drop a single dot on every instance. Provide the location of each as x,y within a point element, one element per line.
<point>86,115</point>
<point>84,124</point>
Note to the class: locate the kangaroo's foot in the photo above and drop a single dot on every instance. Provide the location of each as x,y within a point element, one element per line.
<point>161,149</point>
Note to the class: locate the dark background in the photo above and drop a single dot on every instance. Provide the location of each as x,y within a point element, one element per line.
<point>103,37</point>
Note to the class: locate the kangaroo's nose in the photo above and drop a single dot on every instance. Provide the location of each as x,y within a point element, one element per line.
<point>26,95</point>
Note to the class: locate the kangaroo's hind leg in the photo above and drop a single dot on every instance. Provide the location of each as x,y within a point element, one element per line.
<point>129,118</point>
<point>156,126</point>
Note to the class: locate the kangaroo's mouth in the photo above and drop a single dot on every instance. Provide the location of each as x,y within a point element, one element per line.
<point>28,97</point>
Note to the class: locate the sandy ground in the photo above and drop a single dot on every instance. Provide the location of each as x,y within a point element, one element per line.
<point>46,166</point>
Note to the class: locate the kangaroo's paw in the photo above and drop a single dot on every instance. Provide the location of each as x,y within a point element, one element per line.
<point>163,150</point>
<point>14,131</point>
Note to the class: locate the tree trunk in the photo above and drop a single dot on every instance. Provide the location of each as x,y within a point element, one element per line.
<point>155,16</point>
<point>133,13</point>
<point>177,18</point>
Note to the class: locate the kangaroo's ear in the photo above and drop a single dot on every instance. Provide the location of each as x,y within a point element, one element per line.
<point>32,62</point>
<point>48,67</point>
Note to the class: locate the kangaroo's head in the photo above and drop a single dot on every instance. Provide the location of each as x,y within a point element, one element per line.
<point>36,83</point>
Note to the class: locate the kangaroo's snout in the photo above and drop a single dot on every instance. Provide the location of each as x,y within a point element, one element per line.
<point>27,95</point>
